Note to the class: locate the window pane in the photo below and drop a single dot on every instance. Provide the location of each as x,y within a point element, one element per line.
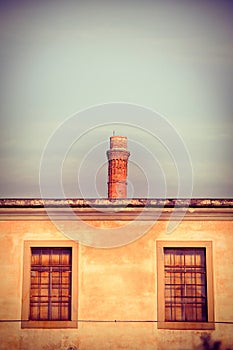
<point>50,292</point>
<point>185,284</point>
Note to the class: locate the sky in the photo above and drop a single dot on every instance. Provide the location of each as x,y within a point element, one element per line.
<point>158,72</point>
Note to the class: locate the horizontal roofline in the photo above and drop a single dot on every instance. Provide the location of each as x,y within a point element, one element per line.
<point>116,202</point>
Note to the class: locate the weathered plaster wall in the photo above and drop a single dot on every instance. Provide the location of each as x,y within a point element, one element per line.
<point>114,284</point>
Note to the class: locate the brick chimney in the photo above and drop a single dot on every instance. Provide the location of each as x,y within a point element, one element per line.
<point>117,167</point>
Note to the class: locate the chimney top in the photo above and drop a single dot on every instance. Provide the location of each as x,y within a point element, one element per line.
<point>117,167</point>
<point>117,142</point>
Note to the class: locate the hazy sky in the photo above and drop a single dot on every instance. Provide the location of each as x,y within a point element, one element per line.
<point>61,57</point>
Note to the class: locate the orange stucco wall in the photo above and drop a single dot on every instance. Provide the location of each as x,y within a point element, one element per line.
<point>114,284</point>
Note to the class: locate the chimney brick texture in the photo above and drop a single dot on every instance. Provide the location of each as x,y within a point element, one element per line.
<point>117,167</point>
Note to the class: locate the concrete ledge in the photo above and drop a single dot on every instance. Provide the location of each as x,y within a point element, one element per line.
<point>115,214</point>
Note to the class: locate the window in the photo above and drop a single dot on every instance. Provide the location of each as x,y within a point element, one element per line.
<point>49,286</point>
<point>185,285</point>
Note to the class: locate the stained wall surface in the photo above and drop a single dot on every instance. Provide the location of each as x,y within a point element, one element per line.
<point>114,284</point>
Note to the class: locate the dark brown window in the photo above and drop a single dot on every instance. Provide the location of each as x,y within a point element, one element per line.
<point>185,284</point>
<point>50,286</point>
<point>185,298</point>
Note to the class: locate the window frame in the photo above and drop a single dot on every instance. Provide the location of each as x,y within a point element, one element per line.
<point>162,324</point>
<point>25,322</point>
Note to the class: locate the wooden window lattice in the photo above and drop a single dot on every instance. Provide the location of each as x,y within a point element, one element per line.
<point>185,284</point>
<point>50,288</point>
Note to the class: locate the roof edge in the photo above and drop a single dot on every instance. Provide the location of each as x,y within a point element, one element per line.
<point>116,202</point>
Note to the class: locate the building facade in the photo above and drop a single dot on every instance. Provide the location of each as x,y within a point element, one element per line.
<point>108,274</point>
